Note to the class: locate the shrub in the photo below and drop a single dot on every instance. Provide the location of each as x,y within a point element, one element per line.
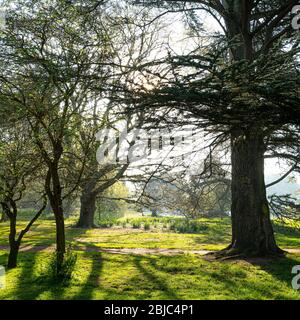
<point>107,223</point>
<point>184,226</point>
<point>136,224</point>
<point>147,226</point>
<point>66,270</point>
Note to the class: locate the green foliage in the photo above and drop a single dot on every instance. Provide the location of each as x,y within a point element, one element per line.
<point>111,209</point>
<point>181,225</point>
<point>136,224</point>
<point>107,222</point>
<point>188,226</point>
<point>147,226</point>
<point>65,273</point>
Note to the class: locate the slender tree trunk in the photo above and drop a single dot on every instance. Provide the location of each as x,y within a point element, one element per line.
<point>154,213</point>
<point>13,254</point>
<point>252,232</point>
<point>55,198</point>
<point>13,244</point>
<point>60,236</point>
<point>87,210</point>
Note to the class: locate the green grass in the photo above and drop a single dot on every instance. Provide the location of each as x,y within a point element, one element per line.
<point>213,234</point>
<point>112,276</point>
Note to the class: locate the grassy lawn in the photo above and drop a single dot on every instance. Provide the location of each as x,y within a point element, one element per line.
<point>214,234</point>
<point>116,276</point>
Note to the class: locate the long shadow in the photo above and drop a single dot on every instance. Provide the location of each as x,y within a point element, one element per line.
<point>286,229</point>
<point>154,279</point>
<point>281,268</point>
<point>288,236</point>
<point>93,281</point>
<point>226,282</point>
<point>36,281</point>
<point>40,282</point>
<point>27,263</point>
<point>72,233</point>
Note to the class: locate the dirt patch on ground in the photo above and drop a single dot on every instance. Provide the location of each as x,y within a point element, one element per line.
<point>136,251</point>
<point>295,251</point>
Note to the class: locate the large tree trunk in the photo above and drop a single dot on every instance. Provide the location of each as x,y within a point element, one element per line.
<point>87,210</point>
<point>252,232</point>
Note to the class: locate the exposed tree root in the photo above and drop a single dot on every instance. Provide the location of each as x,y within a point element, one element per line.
<point>230,253</point>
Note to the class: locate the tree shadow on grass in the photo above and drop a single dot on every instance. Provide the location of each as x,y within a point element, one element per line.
<point>213,239</point>
<point>288,236</point>
<point>93,280</point>
<point>280,268</point>
<point>274,282</point>
<point>22,277</point>
<point>156,281</point>
<point>36,279</point>
<point>26,279</point>
<point>74,232</point>
<point>286,229</point>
